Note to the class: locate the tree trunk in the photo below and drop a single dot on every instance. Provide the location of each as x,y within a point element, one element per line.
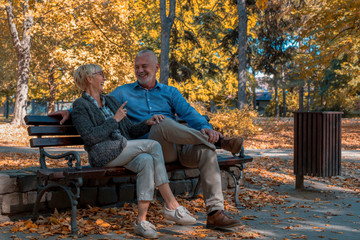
<point>283,90</point>
<point>277,112</point>
<point>52,89</point>
<point>308,95</point>
<point>242,37</point>
<point>6,107</point>
<point>284,102</point>
<point>166,25</point>
<point>253,91</point>
<point>22,48</point>
<point>301,98</point>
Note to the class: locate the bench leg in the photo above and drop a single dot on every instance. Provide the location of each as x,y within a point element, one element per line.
<point>73,197</point>
<point>35,212</point>
<point>239,181</point>
<point>197,188</point>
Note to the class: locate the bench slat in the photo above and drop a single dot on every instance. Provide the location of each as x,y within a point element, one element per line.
<point>52,142</point>
<point>52,130</point>
<point>89,172</point>
<point>44,120</point>
<point>231,161</point>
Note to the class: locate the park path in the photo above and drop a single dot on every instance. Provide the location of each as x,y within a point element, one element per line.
<point>278,153</point>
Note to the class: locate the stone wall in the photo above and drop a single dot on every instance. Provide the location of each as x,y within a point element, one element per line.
<point>18,190</point>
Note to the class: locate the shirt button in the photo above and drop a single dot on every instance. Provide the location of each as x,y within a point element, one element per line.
<point>150,107</point>
<point>148,99</point>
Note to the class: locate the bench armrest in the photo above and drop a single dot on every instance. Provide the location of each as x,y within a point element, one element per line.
<point>69,156</point>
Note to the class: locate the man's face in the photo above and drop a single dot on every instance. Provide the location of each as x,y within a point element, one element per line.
<point>145,69</point>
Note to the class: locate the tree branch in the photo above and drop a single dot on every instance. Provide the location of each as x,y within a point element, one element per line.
<point>98,27</point>
<point>13,31</point>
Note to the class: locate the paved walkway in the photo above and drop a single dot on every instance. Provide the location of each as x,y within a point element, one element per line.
<point>280,153</point>
<point>318,212</point>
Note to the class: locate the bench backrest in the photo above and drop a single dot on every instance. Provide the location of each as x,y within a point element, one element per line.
<point>50,133</point>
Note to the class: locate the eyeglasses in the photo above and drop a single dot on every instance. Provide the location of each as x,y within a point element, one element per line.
<point>99,73</point>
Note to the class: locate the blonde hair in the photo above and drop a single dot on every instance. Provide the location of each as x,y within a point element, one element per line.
<point>82,72</point>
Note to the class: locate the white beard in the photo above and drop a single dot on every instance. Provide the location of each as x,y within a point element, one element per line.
<point>146,80</point>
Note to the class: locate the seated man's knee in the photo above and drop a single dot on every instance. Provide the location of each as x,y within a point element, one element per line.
<point>198,154</point>
<point>166,123</point>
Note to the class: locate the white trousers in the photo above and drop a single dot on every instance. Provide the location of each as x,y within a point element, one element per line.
<point>145,157</point>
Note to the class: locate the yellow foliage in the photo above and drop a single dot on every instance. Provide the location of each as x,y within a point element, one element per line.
<point>261,4</point>
<point>231,122</point>
<point>235,122</point>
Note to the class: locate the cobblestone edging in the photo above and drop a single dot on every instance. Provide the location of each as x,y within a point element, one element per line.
<point>18,190</point>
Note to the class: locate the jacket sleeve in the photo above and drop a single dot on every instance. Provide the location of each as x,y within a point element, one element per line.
<point>137,130</point>
<point>84,122</point>
<point>134,130</point>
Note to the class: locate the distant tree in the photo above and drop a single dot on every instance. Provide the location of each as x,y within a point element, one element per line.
<point>167,22</point>
<point>333,27</point>
<point>22,47</point>
<point>69,33</point>
<point>272,48</point>
<point>241,95</point>
<point>8,63</point>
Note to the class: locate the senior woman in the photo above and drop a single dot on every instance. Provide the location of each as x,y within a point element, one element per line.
<point>106,131</point>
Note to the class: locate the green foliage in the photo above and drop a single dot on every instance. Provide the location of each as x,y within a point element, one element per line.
<point>340,99</point>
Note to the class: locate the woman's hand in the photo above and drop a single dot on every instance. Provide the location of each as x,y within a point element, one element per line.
<point>120,113</point>
<point>155,120</point>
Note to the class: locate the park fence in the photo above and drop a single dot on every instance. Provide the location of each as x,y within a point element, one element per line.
<point>34,107</point>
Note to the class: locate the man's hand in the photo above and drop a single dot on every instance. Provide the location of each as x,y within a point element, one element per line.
<point>213,135</point>
<point>121,113</point>
<point>155,120</point>
<point>65,114</point>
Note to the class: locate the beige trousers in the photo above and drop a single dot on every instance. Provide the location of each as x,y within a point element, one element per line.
<point>143,156</point>
<point>193,150</point>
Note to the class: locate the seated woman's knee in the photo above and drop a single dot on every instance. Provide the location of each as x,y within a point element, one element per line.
<point>155,146</point>
<point>145,161</point>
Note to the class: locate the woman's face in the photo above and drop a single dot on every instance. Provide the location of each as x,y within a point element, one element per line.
<point>96,81</point>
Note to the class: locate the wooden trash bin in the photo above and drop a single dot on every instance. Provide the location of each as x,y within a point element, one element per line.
<point>317,145</point>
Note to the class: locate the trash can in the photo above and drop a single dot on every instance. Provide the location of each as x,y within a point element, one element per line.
<point>317,145</point>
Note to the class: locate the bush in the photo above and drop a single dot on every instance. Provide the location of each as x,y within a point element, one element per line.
<point>292,104</point>
<point>234,122</point>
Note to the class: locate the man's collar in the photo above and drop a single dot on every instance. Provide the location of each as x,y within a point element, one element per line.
<point>157,85</point>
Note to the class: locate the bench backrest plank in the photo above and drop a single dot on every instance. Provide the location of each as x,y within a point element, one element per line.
<point>52,142</point>
<point>51,130</point>
<point>44,120</point>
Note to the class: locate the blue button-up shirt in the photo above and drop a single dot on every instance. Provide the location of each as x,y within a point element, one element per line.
<point>162,99</point>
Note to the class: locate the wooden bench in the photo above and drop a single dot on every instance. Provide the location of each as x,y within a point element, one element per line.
<point>49,133</point>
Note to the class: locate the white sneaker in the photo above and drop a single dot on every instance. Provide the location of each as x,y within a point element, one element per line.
<point>145,229</point>
<point>180,215</point>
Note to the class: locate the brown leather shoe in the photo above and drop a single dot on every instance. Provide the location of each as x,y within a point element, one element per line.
<point>232,145</point>
<point>221,221</point>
